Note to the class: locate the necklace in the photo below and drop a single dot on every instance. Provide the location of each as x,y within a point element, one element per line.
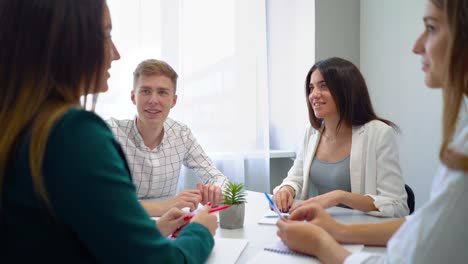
<point>330,139</point>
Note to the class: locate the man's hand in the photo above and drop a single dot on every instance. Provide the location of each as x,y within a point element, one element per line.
<point>210,193</point>
<point>187,198</point>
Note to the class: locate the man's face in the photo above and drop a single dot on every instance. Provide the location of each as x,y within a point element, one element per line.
<point>154,96</point>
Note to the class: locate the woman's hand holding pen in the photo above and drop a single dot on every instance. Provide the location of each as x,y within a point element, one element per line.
<point>311,230</point>
<point>206,219</point>
<point>171,221</point>
<point>284,198</point>
<point>315,214</point>
<point>311,240</point>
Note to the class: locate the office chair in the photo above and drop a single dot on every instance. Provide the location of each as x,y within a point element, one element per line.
<point>410,199</point>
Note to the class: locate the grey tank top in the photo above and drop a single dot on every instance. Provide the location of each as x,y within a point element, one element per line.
<point>329,176</point>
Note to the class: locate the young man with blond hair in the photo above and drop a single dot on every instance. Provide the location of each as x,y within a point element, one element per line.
<point>156,146</point>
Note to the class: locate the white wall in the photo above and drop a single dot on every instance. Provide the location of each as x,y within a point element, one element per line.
<point>377,35</point>
<point>395,80</point>
<point>337,29</point>
<point>291,48</point>
<point>290,33</point>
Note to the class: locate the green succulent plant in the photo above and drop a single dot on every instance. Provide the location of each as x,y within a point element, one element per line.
<point>234,193</point>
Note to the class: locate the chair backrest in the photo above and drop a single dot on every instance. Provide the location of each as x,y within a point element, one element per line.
<point>410,199</point>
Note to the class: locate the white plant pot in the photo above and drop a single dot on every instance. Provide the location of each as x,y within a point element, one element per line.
<point>233,217</point>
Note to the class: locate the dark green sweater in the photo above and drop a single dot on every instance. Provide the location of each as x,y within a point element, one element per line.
<point>96,214</point>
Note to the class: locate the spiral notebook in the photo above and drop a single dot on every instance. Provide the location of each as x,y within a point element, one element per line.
<point>280,247</point>
<point>278,252</point>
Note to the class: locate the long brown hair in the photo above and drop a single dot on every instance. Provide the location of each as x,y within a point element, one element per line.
<point>455,85</point>
<point>349,91</point>
<point>51,53</point>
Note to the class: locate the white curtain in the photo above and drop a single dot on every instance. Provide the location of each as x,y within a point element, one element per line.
<point>219,49</point>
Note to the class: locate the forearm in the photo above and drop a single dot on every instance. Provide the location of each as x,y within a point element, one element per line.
<point>369,234</point>
<point>332,252</point>
<point>357,201</point>
<point>153,208</point>
<point>219,180</point>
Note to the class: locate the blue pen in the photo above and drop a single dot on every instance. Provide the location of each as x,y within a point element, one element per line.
<point>272,204</point>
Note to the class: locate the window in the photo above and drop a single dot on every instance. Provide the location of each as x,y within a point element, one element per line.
<point>219,49</point>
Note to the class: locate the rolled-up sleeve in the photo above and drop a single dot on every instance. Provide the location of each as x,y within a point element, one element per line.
<point>390,198</point>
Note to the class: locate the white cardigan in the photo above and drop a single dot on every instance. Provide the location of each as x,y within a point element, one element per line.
<point>374,168</point>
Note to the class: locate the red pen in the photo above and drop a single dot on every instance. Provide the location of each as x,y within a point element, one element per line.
<point>188,217</point>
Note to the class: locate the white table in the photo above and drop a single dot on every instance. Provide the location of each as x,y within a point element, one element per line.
<point>261,235</point>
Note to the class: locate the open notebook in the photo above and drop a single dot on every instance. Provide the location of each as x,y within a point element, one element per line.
<point>270,218</point>
<point>278,252</point>
<point>226,250</point>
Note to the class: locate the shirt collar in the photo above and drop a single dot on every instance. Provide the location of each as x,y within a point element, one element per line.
<point>139,139</point>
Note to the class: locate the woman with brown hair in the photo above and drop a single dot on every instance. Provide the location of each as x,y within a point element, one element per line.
<point>436,233</point>
<point>349,155</point>
<point>66,190</point>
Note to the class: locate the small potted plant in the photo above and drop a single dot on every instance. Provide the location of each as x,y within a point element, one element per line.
<point>233,217</point>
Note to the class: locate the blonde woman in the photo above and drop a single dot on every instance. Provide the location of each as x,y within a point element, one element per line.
<point>349,155</point>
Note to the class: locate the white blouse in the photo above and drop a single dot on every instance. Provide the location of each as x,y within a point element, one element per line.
<point>438,232</point>
<point>374,168</point>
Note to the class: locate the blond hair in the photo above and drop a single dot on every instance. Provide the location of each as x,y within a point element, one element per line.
<point>155,67</point>
<point>456,79</point>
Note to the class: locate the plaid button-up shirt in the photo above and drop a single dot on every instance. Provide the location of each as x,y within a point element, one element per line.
<point>156,172</point>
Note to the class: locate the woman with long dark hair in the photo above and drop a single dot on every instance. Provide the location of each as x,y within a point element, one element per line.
<point>349,155</point>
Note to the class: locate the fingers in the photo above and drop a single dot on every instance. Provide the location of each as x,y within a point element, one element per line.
<point>189,198</point>
<point>214,194</point>
<point>295,207</point>
<point>175,213</point>
<point>204,191</point>
<point>207,208</point>
<point>205,194</point>
<point>179,225</point>
<point>281,224</point>
<point>287,203</point>
<point>192,192</point>
<point>170,221</point>
<point>306,212</point>
<point>283,200</point>
<point>217,196</point>
<point>200,187</point>
<point>309,201</point>
<point>189,204</point>
<point>210,193</point>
